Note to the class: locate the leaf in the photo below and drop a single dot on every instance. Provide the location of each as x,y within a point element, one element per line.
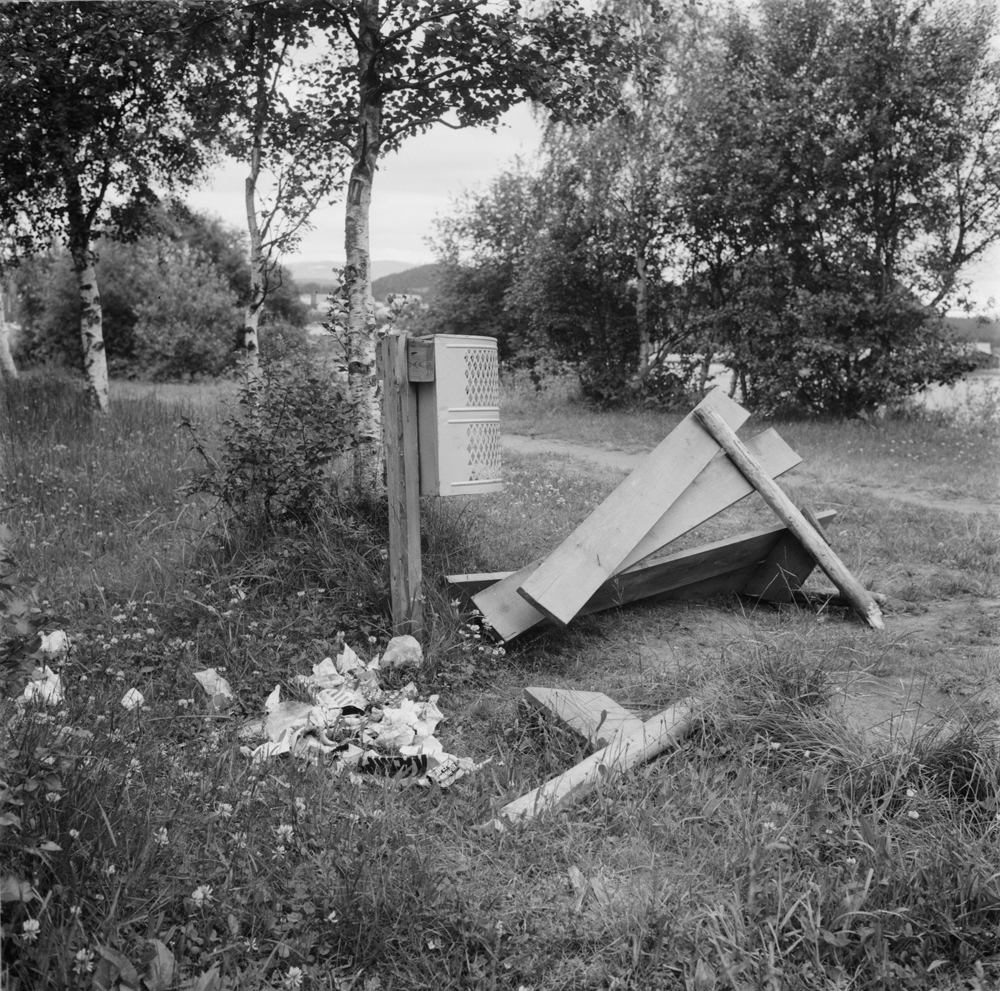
<point>112,967</point>
<point>160,966</point>
<point>15,889</point>
<point>209,981</point>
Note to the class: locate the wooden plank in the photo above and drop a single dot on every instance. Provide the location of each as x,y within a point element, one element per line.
<point>399,408</point>
<point>592,553</point>
<point>711,569</point>
<point>509,614</point>
<point>664,730</point>
<point>685,568</point>
<point>592,715</point>
<point>772,494</point>
<point>718,487</point>
<point>419,359</point>
<point>787,566</point>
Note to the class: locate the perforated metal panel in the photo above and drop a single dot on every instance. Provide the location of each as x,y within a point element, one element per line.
<point>459,418</point>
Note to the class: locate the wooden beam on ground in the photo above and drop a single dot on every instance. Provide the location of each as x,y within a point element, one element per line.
<point>712,569</point>
<point>716,488</point>
<point>399,424</point>
<point>592,715</point>
<point>659,733</point>
<point>834,568</point>
<point>592,553</point>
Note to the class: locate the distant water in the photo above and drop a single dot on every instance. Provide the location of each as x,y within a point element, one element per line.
<point>977,396</point>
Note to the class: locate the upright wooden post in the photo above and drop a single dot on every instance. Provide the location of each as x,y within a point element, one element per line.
<point>399,423</point>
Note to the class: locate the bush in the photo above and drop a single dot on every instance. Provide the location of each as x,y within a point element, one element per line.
<point>280,443</point>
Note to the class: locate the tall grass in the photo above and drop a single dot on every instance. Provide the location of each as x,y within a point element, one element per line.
<point>778,848</point>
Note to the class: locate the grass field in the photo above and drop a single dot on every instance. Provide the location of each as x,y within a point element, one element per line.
<point>787,844</point>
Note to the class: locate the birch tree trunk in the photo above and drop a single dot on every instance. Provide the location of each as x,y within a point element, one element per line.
<point>7,367</point>
<point>361,325</point>
<point>95,361</point>
<point>642,318</point>
<point>258,273</point>
<point>258,263</point>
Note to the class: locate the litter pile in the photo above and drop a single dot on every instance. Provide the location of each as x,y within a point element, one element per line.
<point>365,729</point>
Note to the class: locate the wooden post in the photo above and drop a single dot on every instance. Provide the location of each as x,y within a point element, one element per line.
<point>823,554</point>
<point>399,419</point>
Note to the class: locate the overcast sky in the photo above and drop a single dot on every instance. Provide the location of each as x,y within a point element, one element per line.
<point>420,182</point>
<point>411,188</point>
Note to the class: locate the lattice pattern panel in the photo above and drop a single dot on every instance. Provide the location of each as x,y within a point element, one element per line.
<point>482,378</point>
<point>484,452</point>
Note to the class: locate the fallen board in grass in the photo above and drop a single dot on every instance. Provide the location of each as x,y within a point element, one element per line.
<point>594,716</point>
<point>712,569</point>
<point>570,575</point>
<point>659,733</point>
<point>715,489</point>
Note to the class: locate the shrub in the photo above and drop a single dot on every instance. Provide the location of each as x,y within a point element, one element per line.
<point>279,445</point>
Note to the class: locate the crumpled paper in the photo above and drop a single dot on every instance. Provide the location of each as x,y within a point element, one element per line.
<point>45,686</point>
<point>366,729</point>
<point>216,687</point>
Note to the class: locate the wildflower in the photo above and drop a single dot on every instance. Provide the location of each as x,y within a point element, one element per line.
<point>160,837</point>
<point>775,745</point>
<point>913,815</point>
<point>52,797</point>
<point>84,961</point>
<point>300,804</point>
<point>30,929</point>
<point>332,917</point>
<point>769,825</point>
<point>74,833</point>
<point>851,861</point>
<point>224,809</point>
<point>109,869</point>
<point>284,832</point>
<point>201,895</point>
<point>910,793</point>
<point>293,979</point>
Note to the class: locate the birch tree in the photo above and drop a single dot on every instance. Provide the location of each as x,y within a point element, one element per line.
<point>288,173</point>
<point>101,102</point>
<point>394,68</point>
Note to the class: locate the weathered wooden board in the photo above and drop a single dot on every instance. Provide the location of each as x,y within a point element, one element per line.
<point>772,494</point>
<point>729,557</point>
<point>399,421</point>
<point>787,566</point>
<point>592,715</point>
<point>664,730</point>
<point>716,488</point>
<point>712,569</point>
<point>563,583</point>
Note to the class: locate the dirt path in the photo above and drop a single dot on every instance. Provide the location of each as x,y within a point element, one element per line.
<point>627,462</point>
<point>883,707</point>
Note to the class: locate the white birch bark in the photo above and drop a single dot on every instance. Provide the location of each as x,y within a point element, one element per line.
<point>642,319</point>
<point>7,367</point>
<point>361,324</point>
<point>95,361</point>
<point>258,274</point>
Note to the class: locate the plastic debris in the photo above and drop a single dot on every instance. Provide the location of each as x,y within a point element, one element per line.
<point>56,643</point>
<point>216,687</point>
<point>132,699</point>
<point>45,686</point>
<point>404,651</point>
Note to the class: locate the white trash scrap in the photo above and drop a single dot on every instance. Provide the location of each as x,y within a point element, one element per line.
<point>366,729</point>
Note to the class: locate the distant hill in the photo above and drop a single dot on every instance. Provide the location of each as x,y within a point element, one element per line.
<point>319,275</point>
<point>417,280</point>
